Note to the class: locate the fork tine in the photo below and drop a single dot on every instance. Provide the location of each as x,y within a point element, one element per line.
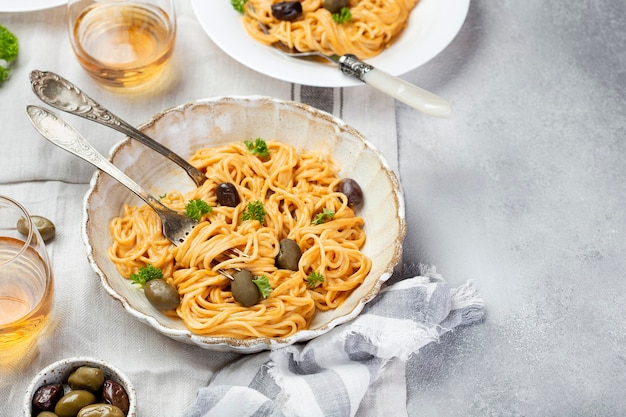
<point>231,253</point>
<point>238,252</point>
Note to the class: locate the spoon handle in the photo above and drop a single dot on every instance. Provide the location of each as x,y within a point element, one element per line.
<point>60,133</point>
<point>61,94</point>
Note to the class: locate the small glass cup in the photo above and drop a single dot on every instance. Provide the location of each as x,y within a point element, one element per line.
<point>26,284</point>
<point>122,43</point>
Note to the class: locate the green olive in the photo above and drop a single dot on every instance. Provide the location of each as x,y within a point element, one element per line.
<point>289,255</point>
<point>71,403</point>
<point>100,410</point>
<point>47,414</point>
<point>334,6</point>
<point>161,294</point>
<point>245,292</point>
<point>44,226</point>
<point>86,378</point>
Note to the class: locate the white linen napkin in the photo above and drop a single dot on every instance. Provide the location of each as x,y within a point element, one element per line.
<point>353,366</point>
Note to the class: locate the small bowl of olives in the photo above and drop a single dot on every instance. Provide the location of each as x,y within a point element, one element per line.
<point>80,387</point>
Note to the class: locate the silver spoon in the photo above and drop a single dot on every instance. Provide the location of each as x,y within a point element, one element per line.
<point>61,94</point>
<point>401,90</point>
<point>176,227</point>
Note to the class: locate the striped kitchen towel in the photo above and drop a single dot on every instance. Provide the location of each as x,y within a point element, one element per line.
<point>354,369</point>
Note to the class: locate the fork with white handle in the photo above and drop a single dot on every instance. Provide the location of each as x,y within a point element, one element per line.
<point>416,97</point>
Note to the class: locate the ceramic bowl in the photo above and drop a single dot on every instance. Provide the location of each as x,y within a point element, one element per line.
<point>58,372</point>
<point>218,121</point>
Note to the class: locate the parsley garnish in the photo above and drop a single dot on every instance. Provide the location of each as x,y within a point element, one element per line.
<point>238,5</point>
<point>314,278</point>
<point>195,209</point>
<point>264,285</point>
<point>254,211</point>
<point>325,215</point>
<point>9,49</point>
<point>343,16</point>
<point>146,274</point>
<point>258,147</point>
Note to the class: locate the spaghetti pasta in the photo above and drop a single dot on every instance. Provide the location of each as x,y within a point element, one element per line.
<point>372,27</point>
<point>294,189</point>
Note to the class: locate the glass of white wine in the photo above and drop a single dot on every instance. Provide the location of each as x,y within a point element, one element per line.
<point>26,284</point>
<point>122,43</point>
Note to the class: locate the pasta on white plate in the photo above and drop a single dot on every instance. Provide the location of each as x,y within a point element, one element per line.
<point>300,202</point>
<point>372,26</point>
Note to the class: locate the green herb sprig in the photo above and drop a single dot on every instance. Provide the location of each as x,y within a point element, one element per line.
<point>195,209</point>
<point>324,216</point>
<point>343,16</point>
<point>257,147</point>
<point>238,5</point>
<point>264,286</point>
<point>314,278</point>
<point>9,48</point>
<point>145,274</point>
<point>254,211</point>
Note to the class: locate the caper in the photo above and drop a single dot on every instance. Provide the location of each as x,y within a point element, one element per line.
<point>287,10</point>
<point>245,292</point>
<point>71,403</point>
<point>227,194</point>
<point>289,255</point>
<point>100,410</point>
<point>87,378</point>
<point>335,6</point>
<point>47,414</point>
<point>47,396</point>
<point>352,190</point>
<point>161,294</point>
<point>115,394</point>
<point>44,226</point>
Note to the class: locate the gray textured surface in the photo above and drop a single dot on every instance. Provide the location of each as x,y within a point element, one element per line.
<point>523,190</point>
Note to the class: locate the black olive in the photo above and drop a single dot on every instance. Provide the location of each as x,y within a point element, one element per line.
<point>335,6</point>
<point>161,294</point>
<point>289,255</point>
<point>227,195</point>
<point>47,396</point>
<point>115,394</point>
<point>287,10</point>
<point>352,190</point>
<point>245,292</point>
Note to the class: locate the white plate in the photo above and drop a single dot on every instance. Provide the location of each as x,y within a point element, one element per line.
<point>28,5</point>
<point>432,26</point>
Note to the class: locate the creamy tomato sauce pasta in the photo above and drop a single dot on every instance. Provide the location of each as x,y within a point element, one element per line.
<point>294,188</point>
<point>373,25</point>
